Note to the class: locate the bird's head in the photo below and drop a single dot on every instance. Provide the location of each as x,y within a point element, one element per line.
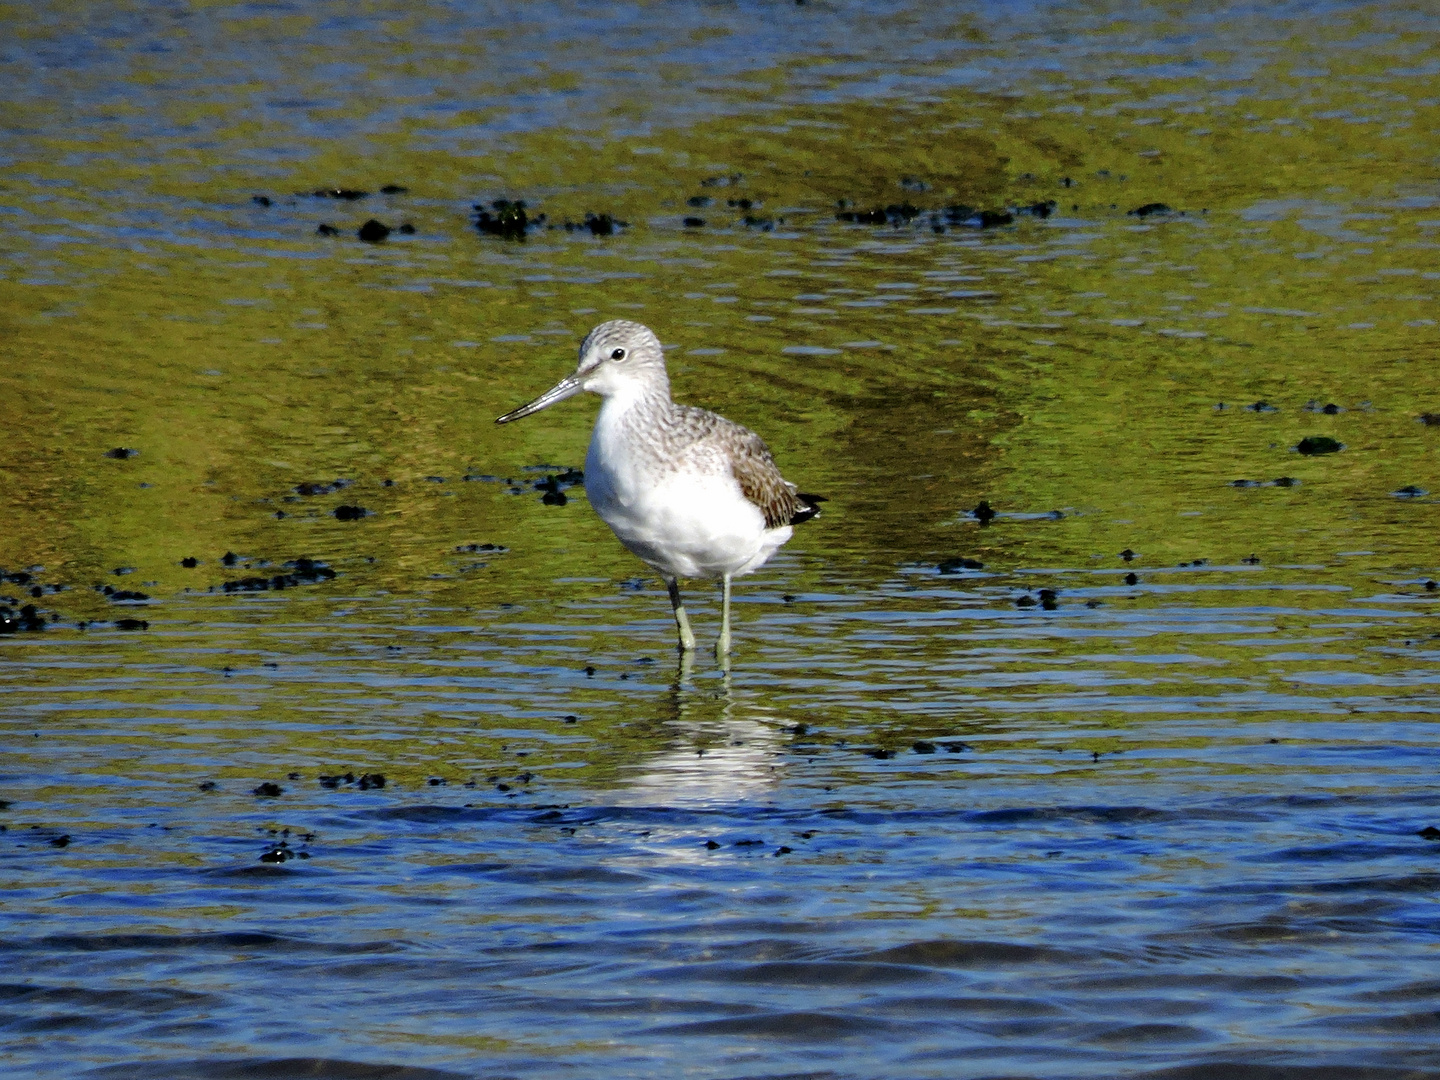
<point>616,358</point>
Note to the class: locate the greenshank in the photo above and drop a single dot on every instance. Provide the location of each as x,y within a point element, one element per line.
<point>691,493</point>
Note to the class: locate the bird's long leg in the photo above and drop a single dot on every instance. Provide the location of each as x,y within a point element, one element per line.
<point>722,647</point>
<point>687,636</point>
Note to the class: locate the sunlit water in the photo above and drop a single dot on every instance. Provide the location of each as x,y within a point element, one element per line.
<point>935,822</point>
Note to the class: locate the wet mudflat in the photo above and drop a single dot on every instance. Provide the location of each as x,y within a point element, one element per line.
<point>1088,732</point>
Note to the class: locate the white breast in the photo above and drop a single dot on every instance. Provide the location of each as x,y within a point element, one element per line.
<point>687,517</point>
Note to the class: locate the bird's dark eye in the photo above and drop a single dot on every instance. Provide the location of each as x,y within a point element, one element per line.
<point>618,354</point>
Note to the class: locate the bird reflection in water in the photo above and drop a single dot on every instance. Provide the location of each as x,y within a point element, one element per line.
<point>722,748</point>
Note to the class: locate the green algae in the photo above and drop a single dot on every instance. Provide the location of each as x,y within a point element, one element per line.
<point>1081,377</point>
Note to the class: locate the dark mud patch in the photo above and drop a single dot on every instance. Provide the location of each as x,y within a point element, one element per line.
<point>958,564</point>
<point>899,215</point>
<point>505,218</point>
<point>597,225</point>
<point>27,619</point>
<point>363,782</point>
<point>281,852</point>
<point>554,486</point>
<point>300,571</point>
<point>373,231</point>
<point>322,487</point>
<point>121,595</point>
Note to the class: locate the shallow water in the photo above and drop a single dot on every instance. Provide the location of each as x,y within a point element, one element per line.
<point>929,825</point>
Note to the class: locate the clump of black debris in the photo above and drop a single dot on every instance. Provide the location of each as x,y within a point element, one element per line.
<point>121,595</point>
<point>27,619</point>
<point>364,782</point>
<point>598,224</point>
<point>298,572</point>
<point>510,219</point>
<point>320,487</point>
<point>940,219</point>
<point>506,218</point>
<point>554,485</point>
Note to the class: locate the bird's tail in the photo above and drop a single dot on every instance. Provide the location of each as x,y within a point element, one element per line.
<point>809,507</point>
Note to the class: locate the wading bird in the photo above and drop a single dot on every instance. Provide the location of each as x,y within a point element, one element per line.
<point>691,493</point>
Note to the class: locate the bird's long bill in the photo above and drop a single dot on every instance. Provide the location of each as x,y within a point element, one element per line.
<point>566,387</point>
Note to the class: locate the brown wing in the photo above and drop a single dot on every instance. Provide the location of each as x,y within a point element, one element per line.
<point>760,480</point>
<point>750,462</point>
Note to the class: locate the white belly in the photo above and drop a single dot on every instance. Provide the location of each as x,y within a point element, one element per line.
<point>687,523</point>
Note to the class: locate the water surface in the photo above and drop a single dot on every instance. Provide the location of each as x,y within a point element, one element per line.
<point>935,822</point>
